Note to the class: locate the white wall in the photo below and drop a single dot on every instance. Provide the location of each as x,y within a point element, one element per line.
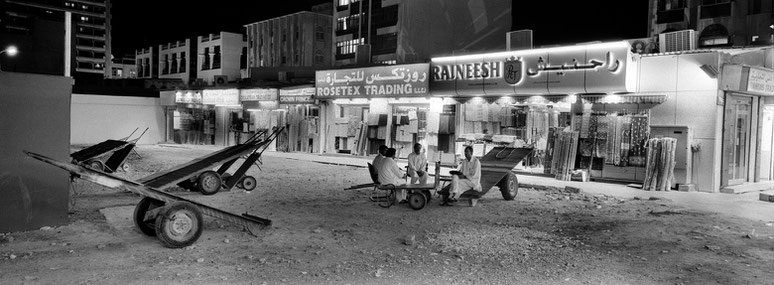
<point>95,118</point>
<point>691,101</point>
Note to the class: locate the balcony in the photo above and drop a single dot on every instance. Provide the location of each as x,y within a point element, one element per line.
<point>98,3</point>
<point>89,59</point>
<point>90,48</point>
<point>91,37</point>
<point>670,16</point>
<point>93,26</point>
<point>715,10</point>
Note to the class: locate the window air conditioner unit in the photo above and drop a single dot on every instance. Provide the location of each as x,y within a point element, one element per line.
<point>677,41</point>
<point>220,80</point>
<point>644,45</point>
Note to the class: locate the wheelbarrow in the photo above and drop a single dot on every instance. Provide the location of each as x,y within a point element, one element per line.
<point>107,156</point>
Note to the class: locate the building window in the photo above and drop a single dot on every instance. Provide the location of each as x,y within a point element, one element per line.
<point>216,58</point>
<point>350,22</point>
<point>147,68</point>
<point>243,59</point>
<point>715,9</point>
<point>206,61</point>
<point>319,34</point>
<point>295,33</point>
<point>284,35</point>
<point>319,59</point>
<point>165,64</point>
<point>712,2</point>
<point>348,47</point>
<point>346,2</point>
<point>139,68</point>
<point>173,68</point>
<point>759,7</point>
<point>666,5</point>
<point>182,62</point>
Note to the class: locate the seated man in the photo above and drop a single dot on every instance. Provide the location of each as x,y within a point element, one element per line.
<point>390,173</point>
<point>379,157</point>
<point>417,165</point>
<point>467,177</point>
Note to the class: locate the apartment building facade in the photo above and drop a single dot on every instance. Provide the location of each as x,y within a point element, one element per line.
<point>58,36</point>
<point>174,60</point>
<point>716,23</point>
<point>409,31</point>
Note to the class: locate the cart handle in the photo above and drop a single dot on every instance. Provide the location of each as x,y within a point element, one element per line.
<point>130,135</point>
<point>138,138</point>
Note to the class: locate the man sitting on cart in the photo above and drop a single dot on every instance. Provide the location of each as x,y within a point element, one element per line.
<point>417,165</point>
<point>390,174</point>
<point>466,177</point>
<point>379,157</point>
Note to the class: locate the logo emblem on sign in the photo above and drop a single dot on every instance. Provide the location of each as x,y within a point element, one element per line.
<point>514,70</point>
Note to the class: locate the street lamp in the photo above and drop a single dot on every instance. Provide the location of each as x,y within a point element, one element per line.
<point>11,51</point>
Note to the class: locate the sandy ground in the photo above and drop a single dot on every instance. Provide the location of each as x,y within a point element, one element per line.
<point>322,234</point>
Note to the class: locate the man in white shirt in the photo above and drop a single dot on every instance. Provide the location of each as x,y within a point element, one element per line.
<point>417,165</point>
<point>467,177</point>
<point>390,173</point>
<point>379,157</point>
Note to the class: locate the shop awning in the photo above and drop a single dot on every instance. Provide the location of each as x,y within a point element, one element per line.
<point>624,98</point>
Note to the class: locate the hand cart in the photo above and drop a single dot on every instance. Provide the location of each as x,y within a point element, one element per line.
<point>107,156</point>
<point>177,222</point>
<point>418,194</point>
<point>496,169</point>
<point>198,174</point>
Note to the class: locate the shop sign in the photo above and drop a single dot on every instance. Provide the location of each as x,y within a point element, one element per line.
<point>297,96</point>
<point>220,97</point>
<point>258,94</point>
<point>760,81</point>
<point>188,97</point>
<point>373,82</point>
<point>606,67</point>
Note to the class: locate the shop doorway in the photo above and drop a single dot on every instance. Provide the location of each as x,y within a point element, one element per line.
<point>409,126</point>
<point>736,139</point>
<point>766,171</point>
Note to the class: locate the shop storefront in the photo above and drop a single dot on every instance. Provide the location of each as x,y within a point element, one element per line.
<point>226,125</point>
<point>364,108</point>
<point>748,125</point>
<point>260,113</point>
<point>526,98</point>
<point>303,118</point>
<point>188,119</point>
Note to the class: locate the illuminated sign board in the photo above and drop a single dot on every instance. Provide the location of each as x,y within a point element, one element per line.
<point>220,97</point>
<point>297,96</point>
<point>373,82</point>
<point>188,97</point>
<point>258,94</point>
<point>594,68</point>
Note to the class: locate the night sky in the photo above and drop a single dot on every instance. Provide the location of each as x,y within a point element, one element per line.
<point>142,23</point>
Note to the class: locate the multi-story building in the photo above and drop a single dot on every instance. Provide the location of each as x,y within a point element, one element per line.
<point>58,36</point>
<point>123,68</point>
<point>290,43</point>
<point>146,60</point>
<point>716,23</point>
<point>407,31</point>
<point>175,60</point>
<point>213,59</point>
<point>221,57</point>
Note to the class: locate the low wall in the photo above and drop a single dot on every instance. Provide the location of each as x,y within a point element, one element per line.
<point>96,118</point>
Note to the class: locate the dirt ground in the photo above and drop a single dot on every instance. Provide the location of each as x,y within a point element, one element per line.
<point>322,234</point>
